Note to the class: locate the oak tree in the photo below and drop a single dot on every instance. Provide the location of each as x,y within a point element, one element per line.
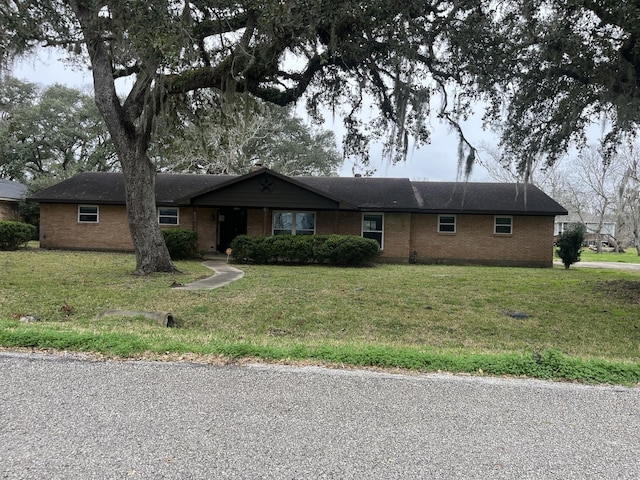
<point>344,55</point>
<point>552,70</point>
<point>50,134</point>
<point>231,138</point>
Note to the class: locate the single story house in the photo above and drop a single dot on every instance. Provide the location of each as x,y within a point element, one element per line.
<point>11,194</point>
<point>424,222</point>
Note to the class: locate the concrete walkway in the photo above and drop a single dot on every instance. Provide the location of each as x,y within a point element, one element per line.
<point>224,275</point>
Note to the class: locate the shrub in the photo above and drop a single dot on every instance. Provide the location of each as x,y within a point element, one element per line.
<point>343,250</point>
<point>13,234</point>
<point>347,250</point>
<point>182,244</point>
<point>30,213</point>
<point>247,249</point>
<point>290,248</point>
<point>570,244</point>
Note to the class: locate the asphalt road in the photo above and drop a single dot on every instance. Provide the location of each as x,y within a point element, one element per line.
<point>73,418</point>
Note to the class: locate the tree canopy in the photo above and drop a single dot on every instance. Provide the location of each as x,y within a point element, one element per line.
<point>343,55</point>
<point>50,134</point>
<point>557,67</point>
<point>232,138</point>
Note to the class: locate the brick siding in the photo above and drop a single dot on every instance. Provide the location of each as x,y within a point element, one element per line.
<point>397,237</point>
<point>59,228</point>
<point>259,222</point>
<point>204,222</point>
<point>474,242</point>
<point>530,244</point>
<point>8,211</point>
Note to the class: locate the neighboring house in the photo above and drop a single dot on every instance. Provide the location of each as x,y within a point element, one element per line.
<point>425,222</point>
<point>11,194</point>
<point>592,223</point>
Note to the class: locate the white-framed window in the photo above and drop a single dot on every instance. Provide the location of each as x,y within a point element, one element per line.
<point>88,213</point>
<point>169,216</point>
<point>373,227</point>
<point>502,225</point>
<point>294,223</point>
<point>446,224</point>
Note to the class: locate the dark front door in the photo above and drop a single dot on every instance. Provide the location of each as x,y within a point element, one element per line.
<point>232,222</point>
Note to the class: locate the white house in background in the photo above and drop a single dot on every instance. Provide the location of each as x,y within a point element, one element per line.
<point>591,222</point>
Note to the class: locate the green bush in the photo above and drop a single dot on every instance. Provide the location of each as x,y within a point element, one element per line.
<point>182,244</point>
<point>13,234</point>
<point>345,250</point>
<point>247,249</point>
<point>290,248</point>
<point>30,213</point>
<point>570,244</point>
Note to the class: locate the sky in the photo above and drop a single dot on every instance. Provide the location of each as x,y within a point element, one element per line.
<point>437,161</point>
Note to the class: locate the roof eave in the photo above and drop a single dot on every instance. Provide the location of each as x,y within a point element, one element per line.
<point>524,213</point>
<point>75,201</point>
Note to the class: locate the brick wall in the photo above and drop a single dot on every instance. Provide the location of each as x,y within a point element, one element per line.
<point>8,211</point>
<point>259,222</point>
<point>397,236</point>
<point>474,242</point>
<point>205,223</point>
<point>349,223</point>
<point>397,228</point>
<point>59,228</point>
<point>529,244</point>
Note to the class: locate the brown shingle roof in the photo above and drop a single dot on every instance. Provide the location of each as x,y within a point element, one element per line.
<point>498,198</point>
<point>369,194</point>
<point>108,188</point>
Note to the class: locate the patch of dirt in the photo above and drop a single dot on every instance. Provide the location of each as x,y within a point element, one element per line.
<point>625,290</point>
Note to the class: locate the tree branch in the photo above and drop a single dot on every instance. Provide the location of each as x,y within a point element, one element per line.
<point>125,71</point>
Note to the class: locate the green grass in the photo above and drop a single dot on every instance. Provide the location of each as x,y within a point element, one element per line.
<point>629,256</point>
<point>576,324</point>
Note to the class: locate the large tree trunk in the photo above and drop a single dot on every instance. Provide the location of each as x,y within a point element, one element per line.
<point>140,191</point>
<point>130,134</point>
<point>140,187</point>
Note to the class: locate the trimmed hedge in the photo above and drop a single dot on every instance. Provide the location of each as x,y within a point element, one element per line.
<point>13,234</point>
<point>182,244</point>
<point>345,250</point>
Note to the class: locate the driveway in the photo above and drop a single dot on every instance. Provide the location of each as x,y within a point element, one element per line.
<point>68,417</point>
<point>632,267</point>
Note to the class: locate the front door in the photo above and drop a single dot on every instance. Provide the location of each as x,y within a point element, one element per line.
<point>231,223</point>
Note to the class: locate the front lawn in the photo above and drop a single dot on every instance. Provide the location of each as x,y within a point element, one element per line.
<point>629,256</point>
<point>578,324</point>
